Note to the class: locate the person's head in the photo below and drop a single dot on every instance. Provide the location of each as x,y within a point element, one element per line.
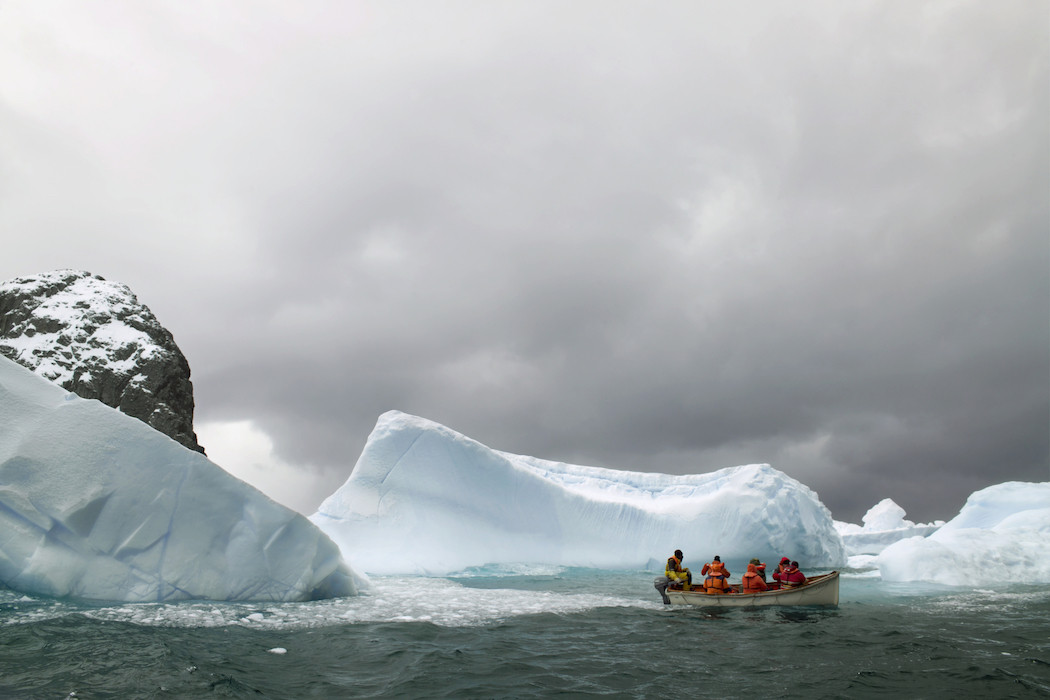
<point>755,561</point>
<point>751,569</point>
<point>785,560</point>
<point>794,565</point>
<point>718,558</point>
<point>678,554</point>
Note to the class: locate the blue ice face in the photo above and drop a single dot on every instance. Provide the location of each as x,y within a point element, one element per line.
<point>94,504</point>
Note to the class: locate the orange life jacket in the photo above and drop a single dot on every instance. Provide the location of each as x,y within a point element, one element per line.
<point>751,582</point>
<point>716,578</point>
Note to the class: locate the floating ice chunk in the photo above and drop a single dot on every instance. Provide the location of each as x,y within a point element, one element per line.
<point>885,515</point>
<point>425,499</point>
<point>884,524</point>
<point>999,536</point>
<point>94,504</point>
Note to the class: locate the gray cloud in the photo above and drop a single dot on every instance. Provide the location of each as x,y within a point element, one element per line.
<point>673,239</point>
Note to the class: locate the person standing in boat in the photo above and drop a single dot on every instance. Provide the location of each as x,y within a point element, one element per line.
<point>676,573</point>
<point>717,580</point>
<point>752,581</point>
<point>791,577</point>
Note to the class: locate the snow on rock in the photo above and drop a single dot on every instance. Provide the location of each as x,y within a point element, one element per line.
<point>425,499</point>
<point>94,338</point>
<point>999,536</point>
<point>884,524</point>
<point>95,504</point>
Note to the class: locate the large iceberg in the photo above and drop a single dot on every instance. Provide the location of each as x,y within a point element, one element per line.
<point>425,499</point>
<point>884,524</point>
<point>95,504</point>
<point>999,536</point>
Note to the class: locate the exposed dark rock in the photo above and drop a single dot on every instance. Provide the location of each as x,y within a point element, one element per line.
<point>94,338</point>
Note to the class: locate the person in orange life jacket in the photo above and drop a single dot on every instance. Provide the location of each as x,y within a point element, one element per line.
<point>752,581</point>
<point>717,580</point>
<point>791,577</point>
<point>760,568</point>
<point>675,573</point>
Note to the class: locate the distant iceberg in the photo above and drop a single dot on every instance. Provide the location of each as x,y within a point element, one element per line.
<point>884,524</point>
<point>95,504</point>
<point>425,499</point>
<point>999,536</point>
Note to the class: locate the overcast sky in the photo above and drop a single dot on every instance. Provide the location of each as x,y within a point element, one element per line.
<point>670,237</point>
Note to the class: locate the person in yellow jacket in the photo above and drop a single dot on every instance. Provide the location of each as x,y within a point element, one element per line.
<point>676,573</point>
<point>717,580</point>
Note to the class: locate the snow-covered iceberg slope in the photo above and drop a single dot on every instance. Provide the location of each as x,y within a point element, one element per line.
<point>95,504</point>
<point>884,524</point>
<point>999,536</point>
<point>425,499</point>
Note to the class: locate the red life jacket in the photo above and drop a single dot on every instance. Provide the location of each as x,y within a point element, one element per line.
<point>792,578</point>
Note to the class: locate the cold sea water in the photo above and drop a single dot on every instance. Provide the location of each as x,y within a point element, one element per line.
<point>534,633</point>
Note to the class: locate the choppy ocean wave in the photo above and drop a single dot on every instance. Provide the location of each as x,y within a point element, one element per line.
<point>494,633</point>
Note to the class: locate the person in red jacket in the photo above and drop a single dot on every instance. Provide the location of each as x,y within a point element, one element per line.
<point>790,577</point>
<point>784,563</point>
<point>752,581</point>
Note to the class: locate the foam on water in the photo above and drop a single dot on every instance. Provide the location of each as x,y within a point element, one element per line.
<point>463,640</point>
<point>506,570</point>
<point>983,599</point>
<point>391,599</point>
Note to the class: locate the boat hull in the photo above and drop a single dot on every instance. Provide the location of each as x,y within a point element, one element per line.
<point>819,590</point>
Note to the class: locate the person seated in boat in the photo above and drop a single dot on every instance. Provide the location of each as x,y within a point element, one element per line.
<point>752,581</point>
<point>717,580</point>
<point>676,573</point>
<point>784,564</point>
<point>760,568</point>
<point>781,567</point>
<point>791,577</point>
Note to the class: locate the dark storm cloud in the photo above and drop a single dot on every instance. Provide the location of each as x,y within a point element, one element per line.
<point>674,238</point>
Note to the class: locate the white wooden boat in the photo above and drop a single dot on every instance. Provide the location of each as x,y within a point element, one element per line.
<point>818,590</point>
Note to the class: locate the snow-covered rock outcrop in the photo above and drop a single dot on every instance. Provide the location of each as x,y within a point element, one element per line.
<point>1000,536</point>
<point>95,504</point>
<point>425,499</point>
<point>94,338</point>
<point>884,524</point>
